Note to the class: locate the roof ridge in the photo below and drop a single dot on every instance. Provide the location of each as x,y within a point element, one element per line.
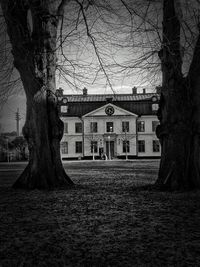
<point>111,94</point>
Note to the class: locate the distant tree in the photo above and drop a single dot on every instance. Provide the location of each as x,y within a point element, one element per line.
<point>20,145</point>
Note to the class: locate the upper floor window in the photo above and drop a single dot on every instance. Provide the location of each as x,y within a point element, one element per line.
<point>78,127</point>
<point>109,126</point>
<point>141,126</point>
<point>125,126</point>
<point>93,127</point>
<point>65,127</point>
<point>156,146</point>
<point>78,147</point>
<point>126,146</point>
<point>64,147</point>
<point>154,125</point>
<point>141,145</point>
<point>94,147</point>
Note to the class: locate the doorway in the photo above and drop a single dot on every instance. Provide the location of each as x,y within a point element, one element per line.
<point>110,145</point>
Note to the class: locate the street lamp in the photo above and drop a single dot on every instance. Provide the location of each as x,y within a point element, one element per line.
<point>109,157</point>
<point>109,148</point>
<point>93,150</point>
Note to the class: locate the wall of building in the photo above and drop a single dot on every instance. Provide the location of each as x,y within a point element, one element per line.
<point>117,135</point>
<point>71,137</point>
<point>148,136</point>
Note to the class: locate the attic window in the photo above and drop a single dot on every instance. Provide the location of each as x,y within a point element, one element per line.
<point>64,109</point>
<point>155,107</point>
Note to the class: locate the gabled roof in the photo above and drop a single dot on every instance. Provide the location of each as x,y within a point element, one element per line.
<point>117,111</point>
<point>140,104</point>
<point>115,97</point>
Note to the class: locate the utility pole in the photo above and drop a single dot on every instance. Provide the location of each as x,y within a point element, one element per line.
<point>7,148</point>
<point>17,118</point>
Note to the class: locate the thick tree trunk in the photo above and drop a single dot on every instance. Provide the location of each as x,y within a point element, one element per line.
<point>32,28</point>
<point>178,113</point>
<point>43,131</point>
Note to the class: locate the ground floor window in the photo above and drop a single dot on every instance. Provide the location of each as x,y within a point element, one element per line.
<point>141,146</point>
<point>94,146</point>
<point>78,147</point>
<point>156,146</point>
<point>64,147</point>
<point>126,146</point>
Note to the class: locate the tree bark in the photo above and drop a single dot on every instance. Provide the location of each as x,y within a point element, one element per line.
<point>179,111</point>
<point>32,29</point>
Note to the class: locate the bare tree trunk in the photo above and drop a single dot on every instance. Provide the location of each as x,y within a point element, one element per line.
<point>179,116</point>
<point>32,28</point>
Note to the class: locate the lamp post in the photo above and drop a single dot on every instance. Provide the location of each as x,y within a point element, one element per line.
<point>109,157</point>
<point>93,150</point>
<point>109,148</point>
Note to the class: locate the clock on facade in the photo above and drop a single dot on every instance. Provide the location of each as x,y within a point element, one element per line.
<point>154,98</point>
<point>64,100</point>
<point>109,110</point>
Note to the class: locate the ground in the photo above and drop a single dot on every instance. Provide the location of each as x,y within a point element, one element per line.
<point>108,219</point>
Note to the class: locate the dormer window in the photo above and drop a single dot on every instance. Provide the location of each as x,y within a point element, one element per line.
<point>64,109</point>
<point>155,107</point>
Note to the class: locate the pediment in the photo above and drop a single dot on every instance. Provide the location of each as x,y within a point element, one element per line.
<point>109,110</point>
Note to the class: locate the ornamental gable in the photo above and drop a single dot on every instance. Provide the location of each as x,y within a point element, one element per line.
<point>109,110</point>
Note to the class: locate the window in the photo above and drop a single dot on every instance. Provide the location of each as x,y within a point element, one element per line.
<point>154,125</point>
<point>93,127</point>
<point>126,146</point>
<point>155,107</point>
<point>64,109</point>
<point>65,127</point>
<point>94,146</point>
<point>64,148</point>
<point>78,127</point>
<point>109,126</point>
<point>125,126</point>
<point>141,146</point>
<point>156,146</point>
<point>140,126</point>
<point>79,147</point>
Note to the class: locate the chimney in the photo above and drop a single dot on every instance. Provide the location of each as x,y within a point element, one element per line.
<point>84,91</point>
<point>158,89</point>
<point>144,91</point>
<point>59,92</point>
<point>134,90</point>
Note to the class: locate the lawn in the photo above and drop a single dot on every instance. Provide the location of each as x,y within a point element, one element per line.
<point>107,219</point>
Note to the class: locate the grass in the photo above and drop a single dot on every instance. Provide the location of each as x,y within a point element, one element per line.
<point>108,219</point>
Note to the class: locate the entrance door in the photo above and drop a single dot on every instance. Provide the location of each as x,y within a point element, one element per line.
<point>110,146</point>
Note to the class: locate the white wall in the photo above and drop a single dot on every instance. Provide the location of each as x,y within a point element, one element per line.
<point>148,135</point>
<point>71,137</point>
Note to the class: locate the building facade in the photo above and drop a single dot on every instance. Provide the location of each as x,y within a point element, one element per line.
<point>109,126</point>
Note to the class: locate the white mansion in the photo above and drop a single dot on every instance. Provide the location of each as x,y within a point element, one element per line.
<point>109,126</point>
